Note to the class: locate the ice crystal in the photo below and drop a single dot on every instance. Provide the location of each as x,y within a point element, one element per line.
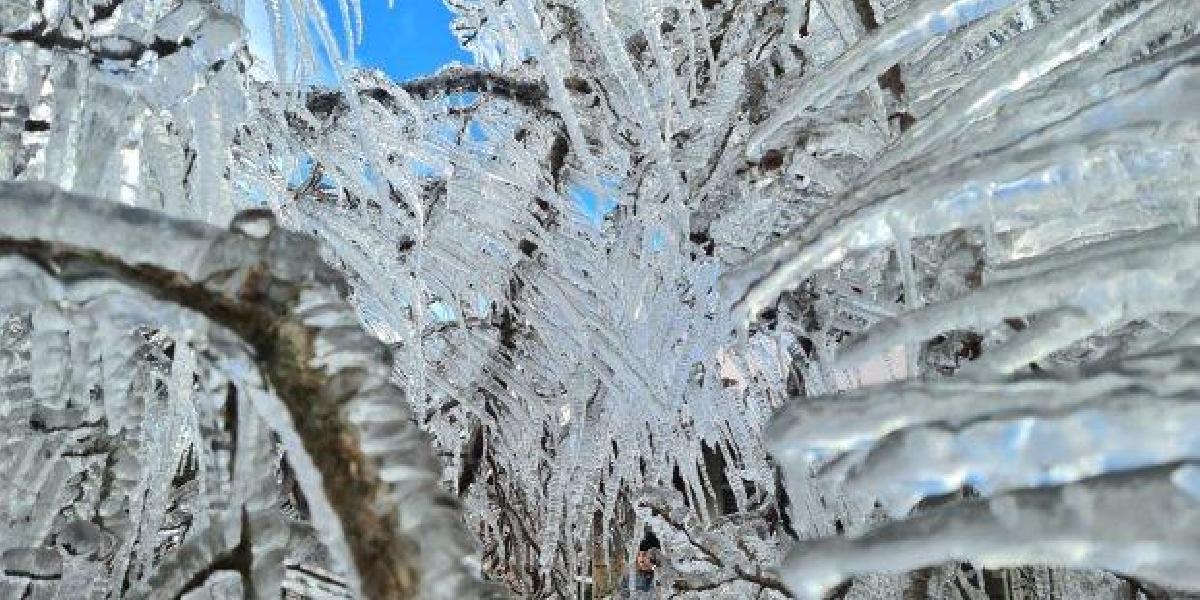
<point>952,242</point>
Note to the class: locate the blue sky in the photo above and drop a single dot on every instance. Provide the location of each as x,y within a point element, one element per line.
<point>410,40</point>
<point>413,39</point>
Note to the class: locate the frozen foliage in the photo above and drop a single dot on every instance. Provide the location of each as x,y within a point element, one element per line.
<point>1064,165</point>
<point>994,200</point>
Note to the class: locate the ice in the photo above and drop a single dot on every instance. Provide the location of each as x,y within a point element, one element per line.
<point>155,382</point>
<point>1044,177</point>
<point>273,324</point>
<point>872,56</point>
<point>1080,260</point>
<point>1139,523</point>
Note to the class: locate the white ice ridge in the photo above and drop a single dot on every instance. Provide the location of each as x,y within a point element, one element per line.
<point>910,441</point>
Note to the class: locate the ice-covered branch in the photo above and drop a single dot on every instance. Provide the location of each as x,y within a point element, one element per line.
<point>270,288</point>
<point>912,441</point>
<point>1142,523</point>
<point>447,82</point>
<point>1108,284</point>
<point>1006,182</point>
<point>456,80</point>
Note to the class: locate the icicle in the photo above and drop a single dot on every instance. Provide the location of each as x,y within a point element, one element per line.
<point>873,55</point>
<point>1086,151</point>
<point>278,38</point>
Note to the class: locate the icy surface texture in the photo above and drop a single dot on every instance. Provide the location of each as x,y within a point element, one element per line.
<point>919,176</point>
<point>549,242</point>
<point>1038,214</point>
<point>189,408</point>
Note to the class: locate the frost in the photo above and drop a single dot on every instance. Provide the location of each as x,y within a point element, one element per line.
<point>957,238</point>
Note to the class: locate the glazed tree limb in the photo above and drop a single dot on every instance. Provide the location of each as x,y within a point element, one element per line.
<point>270,288</point>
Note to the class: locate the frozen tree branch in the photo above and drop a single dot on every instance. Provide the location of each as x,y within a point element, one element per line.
<point>930,189</point>
<point>270,289</point>
<point>449,81</point>
<point>457,80</point>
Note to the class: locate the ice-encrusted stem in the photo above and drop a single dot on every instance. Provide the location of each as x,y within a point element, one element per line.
<point>1093,158</point>
<point>910,441</point>
<point>826,426</point>
<point>872,56</point>
<point>271,289</point>
<point>1080,30</point>
<point>1158,275</point>
<point>1142,523</point>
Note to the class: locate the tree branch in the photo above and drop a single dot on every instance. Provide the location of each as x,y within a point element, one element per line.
<point>250,282</point>
<point>458,80</point>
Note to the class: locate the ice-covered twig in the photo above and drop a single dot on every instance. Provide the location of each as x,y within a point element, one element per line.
<point>1143,523</point>
<point>1156,277</point>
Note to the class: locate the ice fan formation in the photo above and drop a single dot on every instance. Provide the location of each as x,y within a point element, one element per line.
<point>850,298</point>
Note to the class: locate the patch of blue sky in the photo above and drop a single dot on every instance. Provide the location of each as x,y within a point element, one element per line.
<point>253,194</point>
<point>441,312</point>
<point>371,176</point>
<point>304,170</point>
<point>413,39</point>
<point>475,130</point>
<point>595,207</point>
<point>462,100</point>
<point>595,204</point>
<point>423,169</point>
<point>658,238</point>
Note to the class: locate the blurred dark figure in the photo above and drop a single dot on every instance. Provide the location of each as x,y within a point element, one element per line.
<point>643,586</point>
